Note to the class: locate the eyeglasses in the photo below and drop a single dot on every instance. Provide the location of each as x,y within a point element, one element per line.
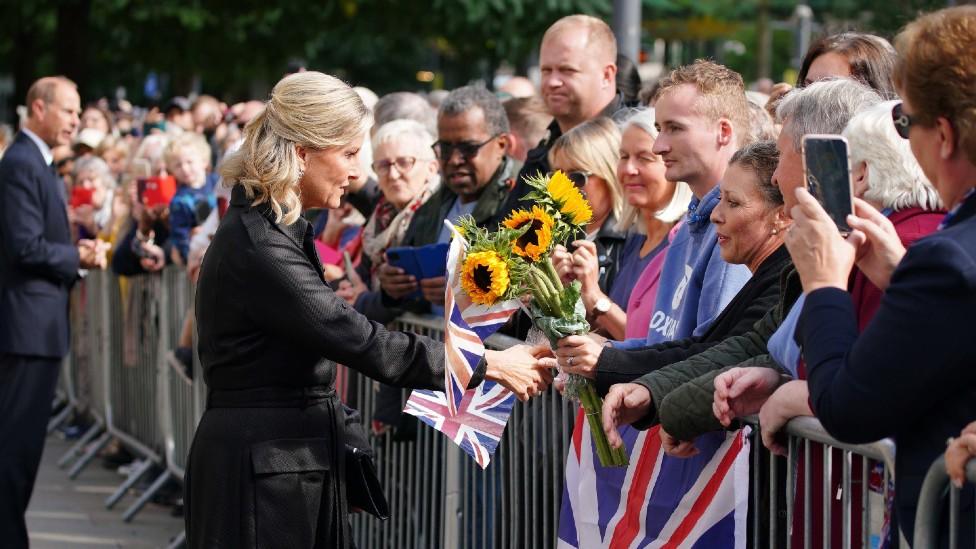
<point>468,149</point>
<point>403,165</point>
<point>902,120</point>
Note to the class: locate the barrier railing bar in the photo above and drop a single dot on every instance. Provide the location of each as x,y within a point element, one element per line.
<point>435,500</point>
<point>931,503</point>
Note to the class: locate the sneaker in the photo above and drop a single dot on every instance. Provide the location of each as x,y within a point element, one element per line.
<point>128,468</point>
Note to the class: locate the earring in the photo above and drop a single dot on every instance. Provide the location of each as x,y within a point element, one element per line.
<point>775,230</point>
<point>301,172</point>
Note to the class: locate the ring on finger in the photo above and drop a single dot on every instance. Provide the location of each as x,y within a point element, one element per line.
<point>569,362</point>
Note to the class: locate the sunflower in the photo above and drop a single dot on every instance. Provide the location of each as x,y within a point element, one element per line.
<point>536,240</point>
<point>484,276</point>
<point>569,199</point>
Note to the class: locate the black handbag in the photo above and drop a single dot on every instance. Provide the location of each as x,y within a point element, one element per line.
<point>363,488</point>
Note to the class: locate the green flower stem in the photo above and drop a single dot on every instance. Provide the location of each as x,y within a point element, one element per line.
<point>593,408</point>
<point>550,289</point>
<point>550,269</point>
<point>542,293</point>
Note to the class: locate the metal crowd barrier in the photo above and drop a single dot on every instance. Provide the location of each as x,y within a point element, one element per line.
<point>118,374</point>
<point>931,506</point>
<point>121,371</point>
<point>439,497</point>
<point>776,482</point>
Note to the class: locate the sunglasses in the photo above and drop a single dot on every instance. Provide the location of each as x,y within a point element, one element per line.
<point>903,121</point>
<point>403,165</point>
<point>468,149</point>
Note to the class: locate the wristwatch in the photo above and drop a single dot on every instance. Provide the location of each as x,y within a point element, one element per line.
<point>601,307</point>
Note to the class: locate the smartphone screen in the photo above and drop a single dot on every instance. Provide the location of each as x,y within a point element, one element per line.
<point>828,175</point>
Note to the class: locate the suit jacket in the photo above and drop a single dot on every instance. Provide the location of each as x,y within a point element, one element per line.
<point>38,261</point>
<point>909,375</point>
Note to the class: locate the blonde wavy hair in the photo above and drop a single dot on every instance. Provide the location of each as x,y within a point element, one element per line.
<point>310,109</point>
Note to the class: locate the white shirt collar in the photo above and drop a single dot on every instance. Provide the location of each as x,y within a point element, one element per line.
<point>45,150</point>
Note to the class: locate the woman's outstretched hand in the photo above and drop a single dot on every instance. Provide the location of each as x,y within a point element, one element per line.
<point>578,354</point>
<point>624,403</point>
<point>741,392</point>
<point>521,369</point>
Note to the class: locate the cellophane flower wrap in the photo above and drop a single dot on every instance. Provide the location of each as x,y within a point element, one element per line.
<point>516,260</point>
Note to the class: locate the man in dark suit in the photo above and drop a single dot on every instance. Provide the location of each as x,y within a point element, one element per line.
<point>38,265</point>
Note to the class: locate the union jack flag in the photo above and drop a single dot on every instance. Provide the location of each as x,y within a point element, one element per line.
<point>473,418</point>
<point>658,501</point>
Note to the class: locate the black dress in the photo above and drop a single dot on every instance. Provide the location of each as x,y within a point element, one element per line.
<point>267,462</point>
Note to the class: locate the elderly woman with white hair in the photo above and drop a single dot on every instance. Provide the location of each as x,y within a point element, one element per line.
<point>268,463</point>
<point>408,176</point>
<point>92,195</point>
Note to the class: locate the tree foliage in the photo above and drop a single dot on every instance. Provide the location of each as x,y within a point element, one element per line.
<point>238,48</point>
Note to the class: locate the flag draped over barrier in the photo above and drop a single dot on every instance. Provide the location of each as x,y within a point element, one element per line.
<point>658,506</point>
<point>473,418</point>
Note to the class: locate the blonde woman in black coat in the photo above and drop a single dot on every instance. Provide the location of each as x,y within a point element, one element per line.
<point>267,463</point>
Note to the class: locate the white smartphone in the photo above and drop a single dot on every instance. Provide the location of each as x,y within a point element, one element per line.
<point>827,170</point>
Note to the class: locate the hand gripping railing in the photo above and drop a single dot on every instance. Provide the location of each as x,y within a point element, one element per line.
<point>929,523</point>
<point>811,468</point>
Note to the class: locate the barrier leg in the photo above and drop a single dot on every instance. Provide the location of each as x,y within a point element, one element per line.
<point>62,416</point>
<point>89,455</point>
<point>178,542</point>
<point>79,447</point>
<point>133,477</point>
<point>146,496</point>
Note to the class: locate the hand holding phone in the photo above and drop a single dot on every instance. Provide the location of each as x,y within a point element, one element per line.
<point>81,196</point>
<point>827,170</point>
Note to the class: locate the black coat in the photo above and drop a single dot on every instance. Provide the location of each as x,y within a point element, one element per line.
<point>267,461</point>
<point>38,261</point>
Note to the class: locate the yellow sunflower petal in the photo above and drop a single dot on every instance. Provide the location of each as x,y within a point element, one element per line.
<point>569,199</point>
<point>484,277</point>
<point>517,218</point>
<point>535,242</point>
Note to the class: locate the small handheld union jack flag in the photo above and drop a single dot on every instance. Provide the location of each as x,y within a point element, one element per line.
<point>473,418</point>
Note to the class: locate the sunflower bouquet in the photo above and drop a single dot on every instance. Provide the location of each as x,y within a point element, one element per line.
<point>516,260</point>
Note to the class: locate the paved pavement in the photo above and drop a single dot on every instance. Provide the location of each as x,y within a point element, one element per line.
<point>66,514</point>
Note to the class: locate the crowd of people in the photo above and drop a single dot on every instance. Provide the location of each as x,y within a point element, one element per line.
<point>716,285</point>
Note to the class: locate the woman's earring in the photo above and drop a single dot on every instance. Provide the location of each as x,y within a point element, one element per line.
<point>301,172</point>
<point>775,230</point>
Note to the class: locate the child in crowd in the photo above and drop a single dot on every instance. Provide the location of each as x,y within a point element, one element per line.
<point>187,159</point>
